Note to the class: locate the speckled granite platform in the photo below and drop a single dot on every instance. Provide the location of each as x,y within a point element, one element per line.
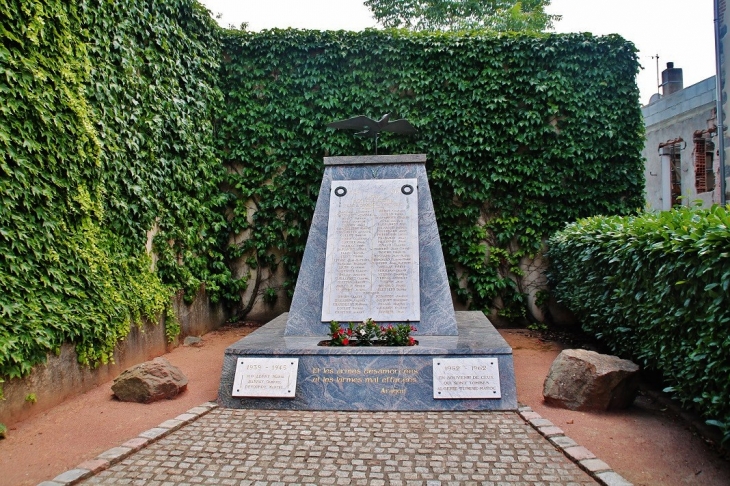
<point>460,363</point>
<point>372,378</point>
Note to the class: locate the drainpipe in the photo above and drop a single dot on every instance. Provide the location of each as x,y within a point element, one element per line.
<point>720,114</point>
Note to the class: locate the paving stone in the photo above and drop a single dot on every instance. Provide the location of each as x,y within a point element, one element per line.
<point>540,422</point>
<point>594,465</point>
<point>304,447</point>
<point>171,424</point>
<point>578,453</point>
<point>94,465</point>
<point>154,433</point>
<point>610,478</point>
<point>72,476</point>
<point>186,417</point>
<point>137,443</point>
<point>115,454</point>
<point>528,415</point>
<point>198,410</point>
<point>550,431</point>
<point>563,441</point>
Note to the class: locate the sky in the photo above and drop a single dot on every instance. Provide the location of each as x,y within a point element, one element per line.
<point>679,31</point>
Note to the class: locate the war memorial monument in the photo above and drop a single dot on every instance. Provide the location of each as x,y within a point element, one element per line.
<point>373,252</point>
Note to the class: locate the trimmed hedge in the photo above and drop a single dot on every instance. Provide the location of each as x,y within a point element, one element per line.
<point>655,288</point>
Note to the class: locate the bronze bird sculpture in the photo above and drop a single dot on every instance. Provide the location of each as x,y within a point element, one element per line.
<point>371,129</point>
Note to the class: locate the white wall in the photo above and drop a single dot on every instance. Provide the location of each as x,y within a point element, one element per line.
<point>678,115</point>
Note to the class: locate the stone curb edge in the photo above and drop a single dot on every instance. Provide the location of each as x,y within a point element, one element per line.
<point>585,459</point>
<point>116,454</point>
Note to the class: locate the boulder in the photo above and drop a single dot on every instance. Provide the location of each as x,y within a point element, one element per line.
<point>586,380</point>
<point>193,341</point>
<point>150,381</point>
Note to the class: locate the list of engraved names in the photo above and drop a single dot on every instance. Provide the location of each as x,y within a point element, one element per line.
<point>371,268</point>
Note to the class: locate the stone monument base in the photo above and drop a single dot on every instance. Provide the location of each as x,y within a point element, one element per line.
<point>380,377</point>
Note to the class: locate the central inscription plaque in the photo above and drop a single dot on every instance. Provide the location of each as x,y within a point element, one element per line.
<point>371,266</point>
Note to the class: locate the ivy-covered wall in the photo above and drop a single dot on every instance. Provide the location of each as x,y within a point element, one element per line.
<point>126,124</point>
<point>106,113</point>
<point>522,133</point>
<point>153,88</point>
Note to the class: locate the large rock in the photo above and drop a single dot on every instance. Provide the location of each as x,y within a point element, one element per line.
<point>586,380</point>
<point>149,382</point>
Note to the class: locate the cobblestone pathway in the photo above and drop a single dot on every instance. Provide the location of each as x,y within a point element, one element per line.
<point>274,447</point>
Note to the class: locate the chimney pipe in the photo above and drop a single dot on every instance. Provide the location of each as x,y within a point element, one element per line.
<point>672,80</point>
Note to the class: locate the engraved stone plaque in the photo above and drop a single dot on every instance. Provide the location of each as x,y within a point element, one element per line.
<point>371,265</point>
<point>466,378</point>
<point>265,377</point>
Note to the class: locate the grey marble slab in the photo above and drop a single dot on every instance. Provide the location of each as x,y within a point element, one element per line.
<point>372,378</point>
<point>377,159</point>
<point>436,307</point>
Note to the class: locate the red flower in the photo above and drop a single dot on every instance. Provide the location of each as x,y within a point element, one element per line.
<point>345,342</point>
<point>411,341</point>
<point>413,329</point>
<point>349,332</point>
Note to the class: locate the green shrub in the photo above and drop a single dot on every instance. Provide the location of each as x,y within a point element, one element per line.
<point>655,288</point>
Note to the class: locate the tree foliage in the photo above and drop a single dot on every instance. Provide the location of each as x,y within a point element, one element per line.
<point>495,15</point>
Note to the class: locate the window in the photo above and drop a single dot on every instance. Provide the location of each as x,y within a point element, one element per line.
<point>703,161</point>
<point>675,165</point>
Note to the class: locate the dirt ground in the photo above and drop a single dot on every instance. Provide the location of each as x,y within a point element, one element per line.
<point>646,444</point>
